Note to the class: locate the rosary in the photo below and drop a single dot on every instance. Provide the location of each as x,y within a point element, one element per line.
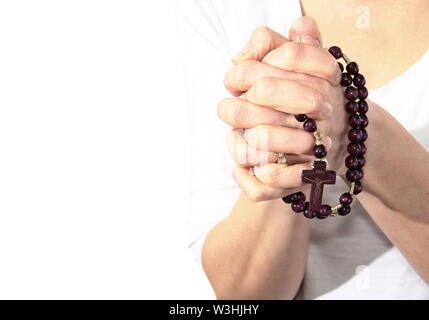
<point>319,176</point>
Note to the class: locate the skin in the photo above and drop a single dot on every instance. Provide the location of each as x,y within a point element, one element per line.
<point>259,251</point>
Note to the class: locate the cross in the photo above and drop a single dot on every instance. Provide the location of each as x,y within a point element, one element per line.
<point>317,177</point>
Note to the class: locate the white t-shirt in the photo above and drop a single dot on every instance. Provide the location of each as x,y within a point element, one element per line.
<point>350,257</point>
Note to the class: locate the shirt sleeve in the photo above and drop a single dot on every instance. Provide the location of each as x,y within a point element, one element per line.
<point>205,57</point>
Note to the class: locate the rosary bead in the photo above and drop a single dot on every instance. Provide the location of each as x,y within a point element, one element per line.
<point>358,187</point>
<point>344,210</point>
<point>298,206</point>
<point>346,79</point>
<point>361,161</point>
<point>359,80</point>
<point>324,211</point>
<point>300,196</point>
<point>301,117</point>
<point>310,125</point>
<point>351,93</point>
<point>355,149</point>
<point>355,121</point>
<point>352,68</point>
<point>290,198</point>
<point>362,93</point>
<point>336,52</point>
<point>363,148</point>
<point>352,175</point>
<point>355,135</point>
<point>361,174</point>
<point>351,162</point>
<point>365,135</point>
<point>364,121</point>
<point>319,151</point>
<point>341,66</point>
<point>363,107</point>
<point>309,214</point>
<point>352,107</point>
<point>346,199</point>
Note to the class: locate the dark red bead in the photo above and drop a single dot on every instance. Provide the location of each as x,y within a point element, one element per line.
<point>363,148</point>
<point>352,175</point>
<point>343,211</point>
<point>355,149</point>
<point>301,117</point>
<point>336,52</point>
<point>359,80</point>
<point>319,151</point>
<point>361,174</point>
<point>351,162</point>
<point>310,125</point>
<point>364,121</point>
<point>365,135</point>
<point>358,187</point>
<point>324,211</point>
<point>346,199</point>
<point>361,161</point>
<point>363,107</point>
<point>346,79</point>
<point>341,66</point>
<point>352,107</point>
<point>300,196</point>
<point>351,93</point>
<point>298,206</point>
<point>355,121</point>
<point>290,198</point>
<point>352,68</point>
<point>362,93</point>
<point>355,135</point>
<point>308,214</point>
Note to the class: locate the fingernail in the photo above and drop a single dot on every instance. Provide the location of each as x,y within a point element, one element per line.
<point>310,40</point>
<point>326,110</point>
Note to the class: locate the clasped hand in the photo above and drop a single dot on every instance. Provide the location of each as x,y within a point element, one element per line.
<point>273,79</point>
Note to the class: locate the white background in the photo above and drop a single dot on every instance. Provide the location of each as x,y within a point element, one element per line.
<point>93,153</point>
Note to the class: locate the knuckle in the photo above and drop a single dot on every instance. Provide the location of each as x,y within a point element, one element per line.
<point>262,32</point>
<point>256,194</point>
<point>315,101</point>
<point>292,53</point>
<point>263,87</point>
<point>237,112</point>
<point>242,70</point>
<point>270,175</point>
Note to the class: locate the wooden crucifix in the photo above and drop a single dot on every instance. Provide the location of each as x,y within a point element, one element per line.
<point>318,177</point>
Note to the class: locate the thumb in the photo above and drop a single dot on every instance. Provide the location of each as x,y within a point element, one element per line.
<point>305,30</point>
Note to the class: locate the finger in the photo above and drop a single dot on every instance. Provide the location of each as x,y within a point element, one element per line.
<point>240,113</point>
<point>283,139</point>
<point>246,155</point>
<point>262,41</point>
<point>305,30</point>
<point>304,58</point>
<point>254,188</point>
<point>281,177</point>
<point>242,76</point>
<point>290,97</point>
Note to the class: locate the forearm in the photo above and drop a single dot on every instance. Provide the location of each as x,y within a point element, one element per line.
<point>258,252</point>
<point>396,187</point>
